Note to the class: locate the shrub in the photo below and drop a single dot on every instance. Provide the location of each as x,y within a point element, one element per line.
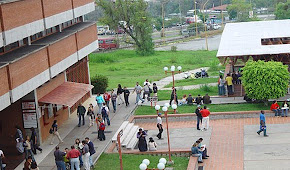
<point>100,83</point>
<point>173,48</point>
<point>205,88</point>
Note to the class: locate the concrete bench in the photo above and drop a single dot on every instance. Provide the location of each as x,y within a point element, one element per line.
<point>132,134</point>
<point>123,126</point>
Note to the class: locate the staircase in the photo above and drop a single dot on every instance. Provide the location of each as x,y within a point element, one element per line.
<point>129,138</point>
<point>238,90</point>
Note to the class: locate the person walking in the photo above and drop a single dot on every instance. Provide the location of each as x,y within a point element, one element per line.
<point>262,124</point>
<point>34,140</point>
<point>114,100</point>
<point>86,155</point>
<point>229,81</point>
<point>54,132</point>
<point>105,114</point>
<point>198,117</point>
<point>102,127</point>
<point>79,146</point>
<point>107,98</point>
<point>159,126</point>
<point>119,92</point>
<point>221,86</point>
<point>91,150</point>
<point>91,114</point>
<point>155,90</point>
<point>28,148</point>
<point>146,92</point>
<point>205,118</point>
<point>58,157</point>
<point>138,90</point>
<point>173,96</point>
<point>19,139</point>
<point>100,100</point>
<point>126,96</point>
<point>73,156</point>
<point>81,110</point>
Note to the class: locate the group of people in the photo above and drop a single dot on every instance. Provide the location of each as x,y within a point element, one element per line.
<point>199,150</point>
<point>202,116</point>
<point>280,111</point>
<point>198,100</point>
<point>79,155</point>
<point>142,143</point>
<point>231,78</point>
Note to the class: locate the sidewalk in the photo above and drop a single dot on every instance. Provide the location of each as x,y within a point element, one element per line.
<point>69,132</point>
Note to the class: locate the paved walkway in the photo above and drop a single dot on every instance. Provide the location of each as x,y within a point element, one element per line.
<point>69,132</point>
<point>234,144</point>
<point>191,86</point>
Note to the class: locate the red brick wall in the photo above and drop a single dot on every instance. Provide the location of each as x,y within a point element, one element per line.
<point>4,85</point>
<point>20,13</point>
<point>49,86</point>
<point>56,6</point>
<point>77,3</point>
<point>62,50</point>
<point>28,67</point>
<point>87,36</point>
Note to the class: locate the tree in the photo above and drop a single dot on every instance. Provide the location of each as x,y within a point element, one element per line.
<point>283,10</point>
<point>132,16</point>
<point>239,10</point>
<point>100,83</point>
<point>265,80</point>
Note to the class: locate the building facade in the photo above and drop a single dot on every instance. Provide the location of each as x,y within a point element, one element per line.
<point>44,47</point>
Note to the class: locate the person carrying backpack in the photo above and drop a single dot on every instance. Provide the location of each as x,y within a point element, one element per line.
<point>102,127</point>
<point>105,113</point>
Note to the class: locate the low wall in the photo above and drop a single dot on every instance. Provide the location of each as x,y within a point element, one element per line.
<point>192,116</point>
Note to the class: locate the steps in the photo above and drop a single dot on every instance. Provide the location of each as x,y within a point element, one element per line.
<point>129,138</point>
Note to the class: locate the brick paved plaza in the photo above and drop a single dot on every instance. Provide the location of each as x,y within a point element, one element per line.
<point>233,143</point>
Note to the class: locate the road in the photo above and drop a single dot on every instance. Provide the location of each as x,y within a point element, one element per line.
<point>197,44</point>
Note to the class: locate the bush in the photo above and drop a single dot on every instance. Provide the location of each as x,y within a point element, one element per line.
<point>173,48</point>
<point>205,88</point>
<point>100,84</point>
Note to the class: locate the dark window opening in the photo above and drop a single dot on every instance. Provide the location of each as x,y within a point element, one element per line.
<point>275,41</point>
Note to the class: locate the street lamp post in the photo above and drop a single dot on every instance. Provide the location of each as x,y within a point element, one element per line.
<point>222,14</point>
<point>195,18</point>
<point>172,69</point>
<point>120,134</point>
<point>165,110</point>
<point>205,26</point>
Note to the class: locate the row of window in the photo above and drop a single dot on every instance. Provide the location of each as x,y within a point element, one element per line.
<point>275,41</point>
<point>39,35</point>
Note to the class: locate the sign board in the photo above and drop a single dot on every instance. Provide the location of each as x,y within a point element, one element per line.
<point>29,114</point>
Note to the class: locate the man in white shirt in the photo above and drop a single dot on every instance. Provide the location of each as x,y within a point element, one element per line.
<point>146,82</point>
<point>138,90</point>
<point>159,126</point>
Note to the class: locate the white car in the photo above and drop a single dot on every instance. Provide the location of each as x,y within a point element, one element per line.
<point>216,26</point>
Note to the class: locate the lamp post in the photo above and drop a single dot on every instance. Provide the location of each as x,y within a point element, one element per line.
<point>172,69</point>
<point>160,166</point>
<point>222,14</point>
<point>120,134</point>
<point>205,26</point>
<point>165,110</point>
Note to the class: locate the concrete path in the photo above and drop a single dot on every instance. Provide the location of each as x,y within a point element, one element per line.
<point>167,80</point>
<point>69,132</point>
<point>190,87</point>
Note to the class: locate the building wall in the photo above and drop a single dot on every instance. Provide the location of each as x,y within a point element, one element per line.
<point>28,73</point>
<point>62,55</point>
<point>4,88</point>
<point>57,12</point>
<point>83,7</point>
<point>87,41</point>
<point>23,24</point>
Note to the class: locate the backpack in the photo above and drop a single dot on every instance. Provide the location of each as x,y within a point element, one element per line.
<point>102,126</point>
<point>104,111</point>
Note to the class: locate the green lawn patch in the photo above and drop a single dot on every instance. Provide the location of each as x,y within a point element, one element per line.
<point>126,67</point>
<point>188,82</point>
<point>147,110</point>
<point>210,90</point>
<point>132,162</point>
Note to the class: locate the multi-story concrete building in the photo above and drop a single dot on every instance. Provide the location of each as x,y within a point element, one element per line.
<point>44,47</point>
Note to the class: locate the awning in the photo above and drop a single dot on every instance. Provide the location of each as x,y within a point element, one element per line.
<point>66,94</point>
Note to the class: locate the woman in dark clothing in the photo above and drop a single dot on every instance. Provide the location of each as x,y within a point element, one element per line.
<point>142,144</point>
<point>33,140</point>
<point>119,92</point>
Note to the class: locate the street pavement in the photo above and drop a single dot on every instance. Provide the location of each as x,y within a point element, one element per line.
<point>196,44</point>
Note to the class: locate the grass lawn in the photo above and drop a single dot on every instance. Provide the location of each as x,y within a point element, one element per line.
<point>188,82</point>
<point>126,67</point>
<point>166,94</point>
<point>147,110</point>
<point>132,162</point>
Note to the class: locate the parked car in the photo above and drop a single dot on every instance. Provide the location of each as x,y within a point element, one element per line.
<point>216,26</point>
<point>108,43</point>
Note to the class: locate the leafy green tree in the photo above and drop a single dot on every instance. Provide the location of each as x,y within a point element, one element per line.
<point>283,10</point>
<point>100,83</point>
<point>265,80</point>
<point>133,18</point>
<point>239,9</point>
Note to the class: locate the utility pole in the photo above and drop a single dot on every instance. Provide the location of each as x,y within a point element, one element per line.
<point>162,7</point>
<point>180,19</point>
<point>222,14</point>
<point>205,26</point>
<point>195,18</point>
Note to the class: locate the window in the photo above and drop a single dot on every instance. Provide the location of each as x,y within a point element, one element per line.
<point>101,41</point>
<point>36,36</point>
<point>11,46</point>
